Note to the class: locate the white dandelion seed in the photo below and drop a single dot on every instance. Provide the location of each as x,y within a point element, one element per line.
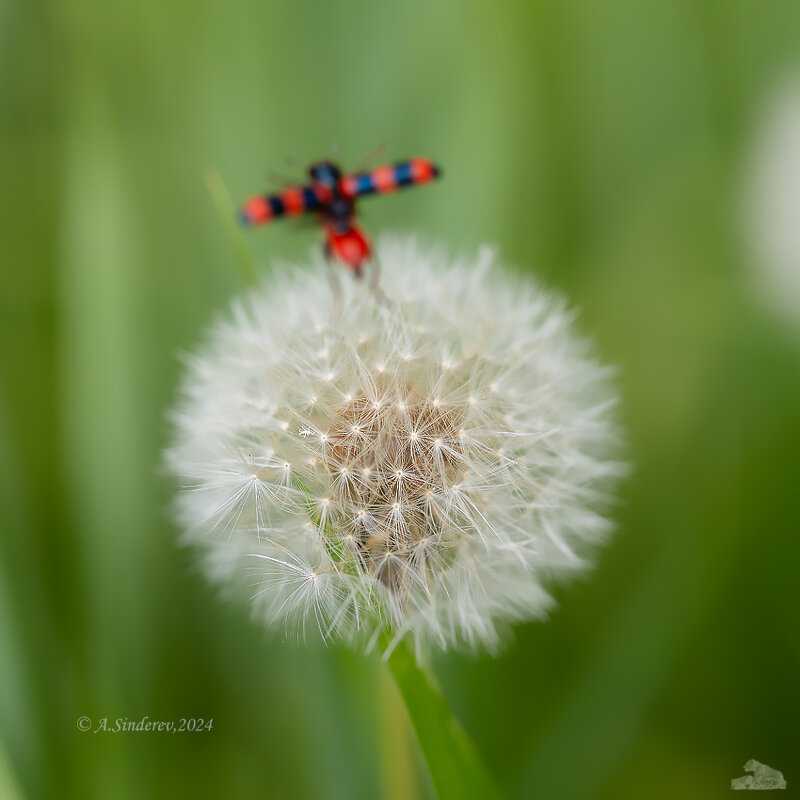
<point>461,459</point>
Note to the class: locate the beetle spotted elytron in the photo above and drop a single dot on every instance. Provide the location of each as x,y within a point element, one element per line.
<point>332,196</point>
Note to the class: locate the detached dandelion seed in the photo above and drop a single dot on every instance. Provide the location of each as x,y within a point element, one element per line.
<point>434,500</point>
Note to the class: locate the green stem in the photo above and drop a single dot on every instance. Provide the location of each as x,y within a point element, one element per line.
<point>227,215</point>
<point>454,764</point>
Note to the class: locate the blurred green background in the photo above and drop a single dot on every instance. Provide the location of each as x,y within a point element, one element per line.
<point>601,146</point>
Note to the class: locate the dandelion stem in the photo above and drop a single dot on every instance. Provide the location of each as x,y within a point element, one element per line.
<point>227,215</point>
<point>453,762</point>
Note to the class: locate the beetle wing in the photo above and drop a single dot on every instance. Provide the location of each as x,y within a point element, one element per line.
<point>261,209</point>
<point>389,178</point>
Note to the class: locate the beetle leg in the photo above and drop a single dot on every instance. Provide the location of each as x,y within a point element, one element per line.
<point>374,280</point>
<point>336,286</point>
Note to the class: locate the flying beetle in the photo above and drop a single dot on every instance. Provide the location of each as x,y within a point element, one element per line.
<point>332,197</point>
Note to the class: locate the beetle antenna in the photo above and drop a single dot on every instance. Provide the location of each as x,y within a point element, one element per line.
<point>371,157</point>
<point>281,180</point>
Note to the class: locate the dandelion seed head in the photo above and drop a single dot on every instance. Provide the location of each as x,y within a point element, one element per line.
<point>404,502</point>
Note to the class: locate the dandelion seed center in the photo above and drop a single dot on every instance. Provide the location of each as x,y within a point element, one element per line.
<point>395,495</point>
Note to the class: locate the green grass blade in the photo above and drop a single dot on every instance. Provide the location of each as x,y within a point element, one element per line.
<point>227,215</point>
<point>454,764</point>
